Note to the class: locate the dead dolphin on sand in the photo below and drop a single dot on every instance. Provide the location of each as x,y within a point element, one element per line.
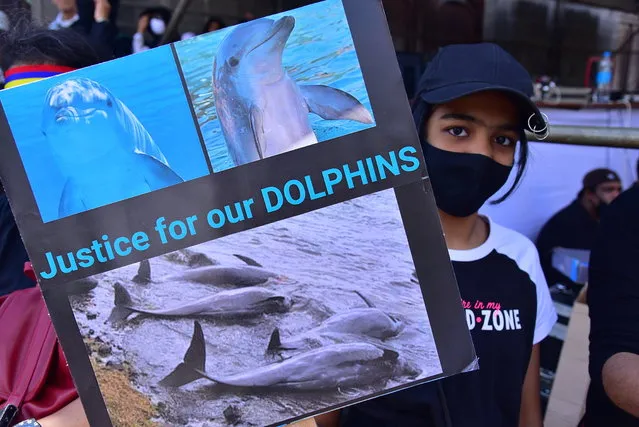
<point>337,367</point>
<point>369,322</point>
<point>81,286</point>
<point>234,304</point>
<point>230,276</point>
<point>216,275</point>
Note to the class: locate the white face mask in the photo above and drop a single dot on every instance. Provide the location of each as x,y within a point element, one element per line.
<point>157,26</point>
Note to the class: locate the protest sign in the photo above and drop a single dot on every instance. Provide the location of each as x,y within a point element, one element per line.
<point>238,224</point>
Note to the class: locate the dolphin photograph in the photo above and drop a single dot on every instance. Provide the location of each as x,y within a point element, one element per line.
<point>276,84</point>
<point>96,136</point>
<point>264,325</point>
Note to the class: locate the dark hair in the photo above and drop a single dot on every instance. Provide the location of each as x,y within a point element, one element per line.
<point>29,44</point>
<point>161,11</point>
<point>422,112</point>
<point>211,20</point>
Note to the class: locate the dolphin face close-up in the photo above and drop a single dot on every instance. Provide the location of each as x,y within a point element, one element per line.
<point>77,121</point>
<point>255,47</point>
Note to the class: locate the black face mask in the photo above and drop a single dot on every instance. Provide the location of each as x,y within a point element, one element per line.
<point>462,182</point>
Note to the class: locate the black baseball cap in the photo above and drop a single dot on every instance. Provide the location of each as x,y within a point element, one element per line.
<point>599,176</point>
<point>463,69</point>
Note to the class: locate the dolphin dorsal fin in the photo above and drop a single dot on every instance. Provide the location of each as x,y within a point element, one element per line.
<point>144,273</point>
<point>122,297</point>
<point>195,356</point>
<point>247,260</point>
<point>366,300</point>
<point>275,342</point>
<point>334,104</point>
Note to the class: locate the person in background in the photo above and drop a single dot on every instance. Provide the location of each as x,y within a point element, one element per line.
<point>94,19</point>
<point>575,226</point>
<point>4,22</point>
<point>214,23</point>
<point>613,304</point>
<point>13,255</point>
<point>472,107</point>
<point>152,24</point>
<point>67,15</point>
<point>30,53</point>
<point>248,16</point>
<point>4,26</point>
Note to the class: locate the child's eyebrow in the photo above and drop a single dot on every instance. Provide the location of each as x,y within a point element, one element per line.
<point>468,118</point>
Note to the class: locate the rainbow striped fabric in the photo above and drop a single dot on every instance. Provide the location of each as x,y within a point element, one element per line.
<point>17,76</point>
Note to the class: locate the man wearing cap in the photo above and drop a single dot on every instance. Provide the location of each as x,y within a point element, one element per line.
<point>575,226</point>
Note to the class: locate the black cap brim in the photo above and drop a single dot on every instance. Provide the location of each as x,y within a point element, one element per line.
<point>532,119</point>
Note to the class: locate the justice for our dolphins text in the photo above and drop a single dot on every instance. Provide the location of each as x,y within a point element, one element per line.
<point>294,192</point>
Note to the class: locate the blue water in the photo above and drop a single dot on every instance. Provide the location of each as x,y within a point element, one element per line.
<point>147,83</point>
<point>319,51</point>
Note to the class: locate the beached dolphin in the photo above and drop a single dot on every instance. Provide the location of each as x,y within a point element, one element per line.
<point>337,367</point>
<point>217,275</point>
<point>262,110</point>
<point>343,327</point>
<point>235,304</point>
<point>103,151</point>
<point>235,276</point>
<point>355,324</point>
<point>80,286</point>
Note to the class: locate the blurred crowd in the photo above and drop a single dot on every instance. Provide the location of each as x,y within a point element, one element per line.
<point>96,21</point>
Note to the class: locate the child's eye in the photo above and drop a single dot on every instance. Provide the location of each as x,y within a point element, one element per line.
<point>504,140</point>
<point>458,131</point>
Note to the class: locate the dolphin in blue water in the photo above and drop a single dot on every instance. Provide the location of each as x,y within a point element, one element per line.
<point>262,110</point>
<point>102,149</point>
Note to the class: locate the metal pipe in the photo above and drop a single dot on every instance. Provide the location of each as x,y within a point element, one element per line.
<point>590,136</point>
<point>176,17</point>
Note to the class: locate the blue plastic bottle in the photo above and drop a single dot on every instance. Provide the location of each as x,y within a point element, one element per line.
<point>604,78</point>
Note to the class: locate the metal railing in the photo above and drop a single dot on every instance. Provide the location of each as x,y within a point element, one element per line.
<point>618,137</point>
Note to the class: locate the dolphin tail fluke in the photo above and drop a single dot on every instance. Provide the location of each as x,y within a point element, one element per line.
<point>194,365</point>
<point>122,302</point>
<point>248,261</point>
<point>144,273</point>
<point>368,302</point>
<point>334,104</point>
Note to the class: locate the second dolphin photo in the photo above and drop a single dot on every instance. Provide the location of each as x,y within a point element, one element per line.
<point>263,326</point>
<point>276,84</point>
